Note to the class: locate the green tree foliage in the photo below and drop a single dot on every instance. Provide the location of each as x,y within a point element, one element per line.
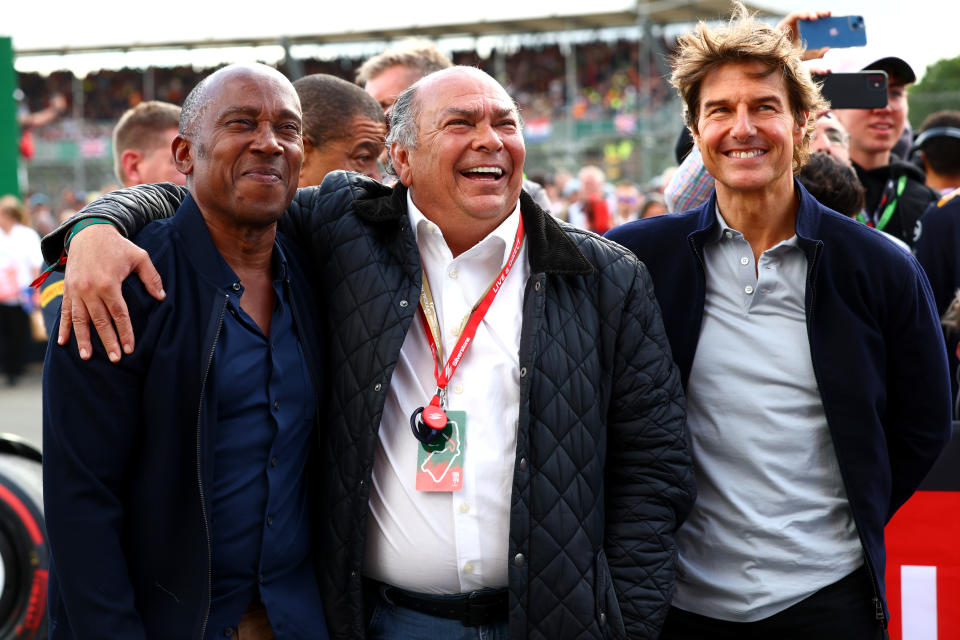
<point>939,89</point>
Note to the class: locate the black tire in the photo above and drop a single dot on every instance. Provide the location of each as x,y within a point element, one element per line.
<point>24,552</point>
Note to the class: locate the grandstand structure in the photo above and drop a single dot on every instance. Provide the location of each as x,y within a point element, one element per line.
<point>591,85</point>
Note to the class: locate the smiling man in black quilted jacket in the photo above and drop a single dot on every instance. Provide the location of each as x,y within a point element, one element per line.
<point>505,443</point>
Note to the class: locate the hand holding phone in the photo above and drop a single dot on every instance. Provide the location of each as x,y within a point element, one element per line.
<point>860,90</point>
<point>833,31</point>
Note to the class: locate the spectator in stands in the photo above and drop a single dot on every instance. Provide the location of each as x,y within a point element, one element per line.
<point>654,206</point>
<point>629,201</point>
<point>20,262</point>
<point>816,382</point>
<point>896,193</point>
<point>142,140</point>
<point>343,128</point>
<point>591,209</point>
<point>830,137</point>
<point>938,147</point>
<point>387,74</point>
<point>142,154</point>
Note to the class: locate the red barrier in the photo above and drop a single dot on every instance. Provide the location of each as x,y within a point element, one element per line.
<point>924,537</point>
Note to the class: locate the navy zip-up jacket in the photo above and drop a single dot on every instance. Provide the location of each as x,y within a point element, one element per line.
<point>875,341</point>
<point>128,448</point>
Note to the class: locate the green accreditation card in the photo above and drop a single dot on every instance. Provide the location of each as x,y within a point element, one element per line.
<point>440,463</point>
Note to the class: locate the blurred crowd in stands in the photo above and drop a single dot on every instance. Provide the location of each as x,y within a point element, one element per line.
<point>608,79</point>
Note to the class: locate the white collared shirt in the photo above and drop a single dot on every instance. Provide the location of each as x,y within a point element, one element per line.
<point>452,542</point>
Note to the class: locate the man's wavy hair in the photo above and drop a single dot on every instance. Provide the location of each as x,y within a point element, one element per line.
<point>745,39</point>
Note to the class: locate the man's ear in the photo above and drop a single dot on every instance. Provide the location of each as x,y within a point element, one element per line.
<point>400,158</point>
<point>800,127</point>
<point>130,164</point>
<point>182,155</point>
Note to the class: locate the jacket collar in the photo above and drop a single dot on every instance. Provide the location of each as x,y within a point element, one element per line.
<point>200,250</point>
<point>807,225</point>
<point>549,247</point>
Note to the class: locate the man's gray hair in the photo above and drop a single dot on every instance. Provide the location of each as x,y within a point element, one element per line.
<point>403,118</point>
<point>193,107</point>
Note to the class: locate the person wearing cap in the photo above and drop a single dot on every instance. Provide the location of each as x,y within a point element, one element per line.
<point>811,358</point>
<point>896,192</point>
<point>938,148</point>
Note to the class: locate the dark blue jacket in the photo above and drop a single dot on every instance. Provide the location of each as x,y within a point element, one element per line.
<point>874,338</point>
<point>936,247</point>
<point>128,449</point>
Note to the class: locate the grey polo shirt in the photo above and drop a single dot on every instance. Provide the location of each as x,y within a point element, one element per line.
<point>772,523</point>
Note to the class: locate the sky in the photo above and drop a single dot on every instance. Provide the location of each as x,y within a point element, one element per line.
<point>927,34</point>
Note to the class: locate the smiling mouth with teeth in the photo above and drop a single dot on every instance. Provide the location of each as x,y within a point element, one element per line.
<point>483,172</point>
<point>746,154</point>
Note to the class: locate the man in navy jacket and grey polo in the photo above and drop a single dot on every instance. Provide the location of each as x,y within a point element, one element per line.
<point>810,353</point>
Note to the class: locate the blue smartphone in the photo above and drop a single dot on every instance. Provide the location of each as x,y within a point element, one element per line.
<point>835,31</point>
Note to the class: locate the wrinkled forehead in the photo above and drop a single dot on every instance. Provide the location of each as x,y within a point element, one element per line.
<point>465,91</point>
<point>252,88</point>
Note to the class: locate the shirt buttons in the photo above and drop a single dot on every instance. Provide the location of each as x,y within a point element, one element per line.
<point>269,521</point>
<point>453,274</point>
<point>273,461</point>
<point>523,464</point>
<point>519,560</point>
<point>235,286</point>
<point>464,507</point>
<point>276,405</point>
<point>744,260</point>
<point>404,303</point>
<point>458,388</point>
<point>468,568</point>
<point>728,234</point>
<point>748,289</point>
<point>228,632</point>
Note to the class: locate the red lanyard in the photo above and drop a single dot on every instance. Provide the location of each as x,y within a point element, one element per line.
<point>433,414</point>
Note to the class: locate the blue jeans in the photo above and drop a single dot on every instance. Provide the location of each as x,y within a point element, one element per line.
<point>392,622</point>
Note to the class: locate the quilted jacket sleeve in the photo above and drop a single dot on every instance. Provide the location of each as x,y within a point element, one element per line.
<point>129,210</point>
<point>649,484</point>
